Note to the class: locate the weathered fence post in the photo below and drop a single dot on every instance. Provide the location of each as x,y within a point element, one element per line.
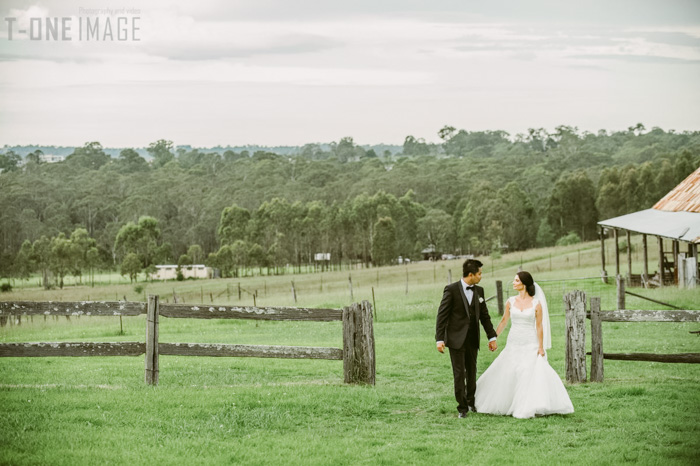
<point>407,280</point>
<point>359,364</point>
<point>620,292</point>
<point>152,341</point>
<point>596,342</point>
<point>374,304</point>
<point>575,305</point>
<point>499,296</point>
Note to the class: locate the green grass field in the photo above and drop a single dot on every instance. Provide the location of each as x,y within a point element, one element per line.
<point>275,411</point>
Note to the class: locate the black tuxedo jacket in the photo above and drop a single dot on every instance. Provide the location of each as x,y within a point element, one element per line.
<point>453,318</point>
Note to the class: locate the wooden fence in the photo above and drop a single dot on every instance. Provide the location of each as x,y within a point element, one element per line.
<point>357,354</point>
<point>575,307</point>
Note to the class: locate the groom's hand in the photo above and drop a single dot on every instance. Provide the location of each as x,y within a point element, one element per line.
<point>493,345</point>
<point>441,346</point>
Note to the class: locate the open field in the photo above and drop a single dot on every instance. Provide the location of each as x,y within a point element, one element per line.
<point>263,411</point>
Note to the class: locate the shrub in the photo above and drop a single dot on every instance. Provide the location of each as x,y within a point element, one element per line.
<point>623,246</point>
<point>571,238</point>
<point>5,287</point>
<point>138,289</point>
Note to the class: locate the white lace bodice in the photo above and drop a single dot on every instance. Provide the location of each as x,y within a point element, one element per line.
<point>523,327</point>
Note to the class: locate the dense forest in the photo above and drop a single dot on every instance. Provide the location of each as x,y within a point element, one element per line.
<point>475,192</point>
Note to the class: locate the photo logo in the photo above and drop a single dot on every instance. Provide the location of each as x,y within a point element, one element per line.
<point>91,25</point>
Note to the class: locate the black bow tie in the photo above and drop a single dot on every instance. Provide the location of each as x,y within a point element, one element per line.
<point>470,287</point>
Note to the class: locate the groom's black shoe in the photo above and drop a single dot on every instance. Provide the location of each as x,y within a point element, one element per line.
<point>463,415</point>
<point>472,409</point>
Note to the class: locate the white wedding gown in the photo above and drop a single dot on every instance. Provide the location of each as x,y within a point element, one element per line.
<point>519,382</point>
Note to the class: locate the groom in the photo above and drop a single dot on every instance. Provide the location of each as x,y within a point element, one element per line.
<point>461,309</point>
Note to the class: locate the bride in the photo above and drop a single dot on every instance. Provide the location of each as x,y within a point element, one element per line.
<point>520,382</point>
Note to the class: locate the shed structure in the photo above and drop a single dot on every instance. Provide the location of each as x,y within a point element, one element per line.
<point>676,217</point>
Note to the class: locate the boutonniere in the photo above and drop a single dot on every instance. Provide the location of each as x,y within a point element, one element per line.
<point>481,300</point>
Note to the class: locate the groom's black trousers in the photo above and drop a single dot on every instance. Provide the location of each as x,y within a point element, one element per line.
<point>464,372</point>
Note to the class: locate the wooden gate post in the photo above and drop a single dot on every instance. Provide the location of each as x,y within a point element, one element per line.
<point>575,305</point>
<point>499,296</point>
<point>596,342</point>
<point>620,292</point>
<point>359,365</point>
<point>152,341</point>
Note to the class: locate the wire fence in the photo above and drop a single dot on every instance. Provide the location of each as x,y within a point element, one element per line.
<point>555,290</point>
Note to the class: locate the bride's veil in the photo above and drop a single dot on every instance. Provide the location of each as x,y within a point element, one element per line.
<point>546,331</point>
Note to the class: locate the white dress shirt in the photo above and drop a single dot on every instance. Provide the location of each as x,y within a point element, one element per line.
<point>469,293</point>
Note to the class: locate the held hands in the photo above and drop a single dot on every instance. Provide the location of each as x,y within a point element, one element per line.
<point>540,351</point>
<point>493,345</point>
<point>441,346</point>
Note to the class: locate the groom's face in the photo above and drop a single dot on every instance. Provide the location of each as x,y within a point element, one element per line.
<point>473,279</point>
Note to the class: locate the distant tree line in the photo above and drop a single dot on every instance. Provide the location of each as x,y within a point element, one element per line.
<point>476,192</point>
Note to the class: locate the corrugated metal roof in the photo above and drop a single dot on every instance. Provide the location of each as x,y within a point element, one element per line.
<point>683,226</point>
<point>683,198</point>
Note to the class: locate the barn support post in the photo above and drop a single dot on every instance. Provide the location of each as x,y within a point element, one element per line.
<point>661,260</point>
<point>645,272</point>
<point>617,253</point>
<point>604,273</point>
<point>629,258</point>
<point>675,261</point>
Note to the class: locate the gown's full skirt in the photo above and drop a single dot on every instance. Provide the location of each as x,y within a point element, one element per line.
<point>519,382</point>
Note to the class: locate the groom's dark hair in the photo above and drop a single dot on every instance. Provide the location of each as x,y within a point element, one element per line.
<point>471,266</point>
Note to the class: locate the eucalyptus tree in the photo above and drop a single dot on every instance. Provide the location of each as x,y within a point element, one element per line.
<point>384,241</point>
<point>161,151</point>
<point>141,239</point>
<point>572,206</point>
<point>41,256</point>
<point>131,266</point>
<point>82,245</point>
<point>436,229</point>
<point>10,161</point>
<point>61,257</point>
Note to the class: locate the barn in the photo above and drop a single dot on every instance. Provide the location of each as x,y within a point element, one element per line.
<point>675,223</point>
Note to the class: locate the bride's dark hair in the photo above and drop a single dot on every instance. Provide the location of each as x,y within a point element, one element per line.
<point>527,280</point>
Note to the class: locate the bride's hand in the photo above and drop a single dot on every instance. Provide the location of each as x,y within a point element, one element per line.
<point>540,352</point>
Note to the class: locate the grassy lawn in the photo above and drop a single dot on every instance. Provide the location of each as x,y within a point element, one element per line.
<point>263,411</point>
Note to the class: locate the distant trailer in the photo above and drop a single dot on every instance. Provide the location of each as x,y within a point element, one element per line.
<point>169,272</point>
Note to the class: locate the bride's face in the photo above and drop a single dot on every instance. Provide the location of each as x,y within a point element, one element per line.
<point>517,284</point>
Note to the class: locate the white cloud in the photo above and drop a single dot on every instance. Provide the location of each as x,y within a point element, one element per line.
<point>247,73</point>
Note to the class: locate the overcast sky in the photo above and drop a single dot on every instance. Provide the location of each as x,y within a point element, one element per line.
<point>285,72</point>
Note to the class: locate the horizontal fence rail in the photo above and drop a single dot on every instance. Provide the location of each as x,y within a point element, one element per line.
<point>255,351</point>
<point>22,350</point>
<point>652,300</point>
<point>245,312</point>
<point>357,353</point>
<point>78,308</point>
<point>690,358</point>
<point>628,315</point>
<point>576,312</point>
